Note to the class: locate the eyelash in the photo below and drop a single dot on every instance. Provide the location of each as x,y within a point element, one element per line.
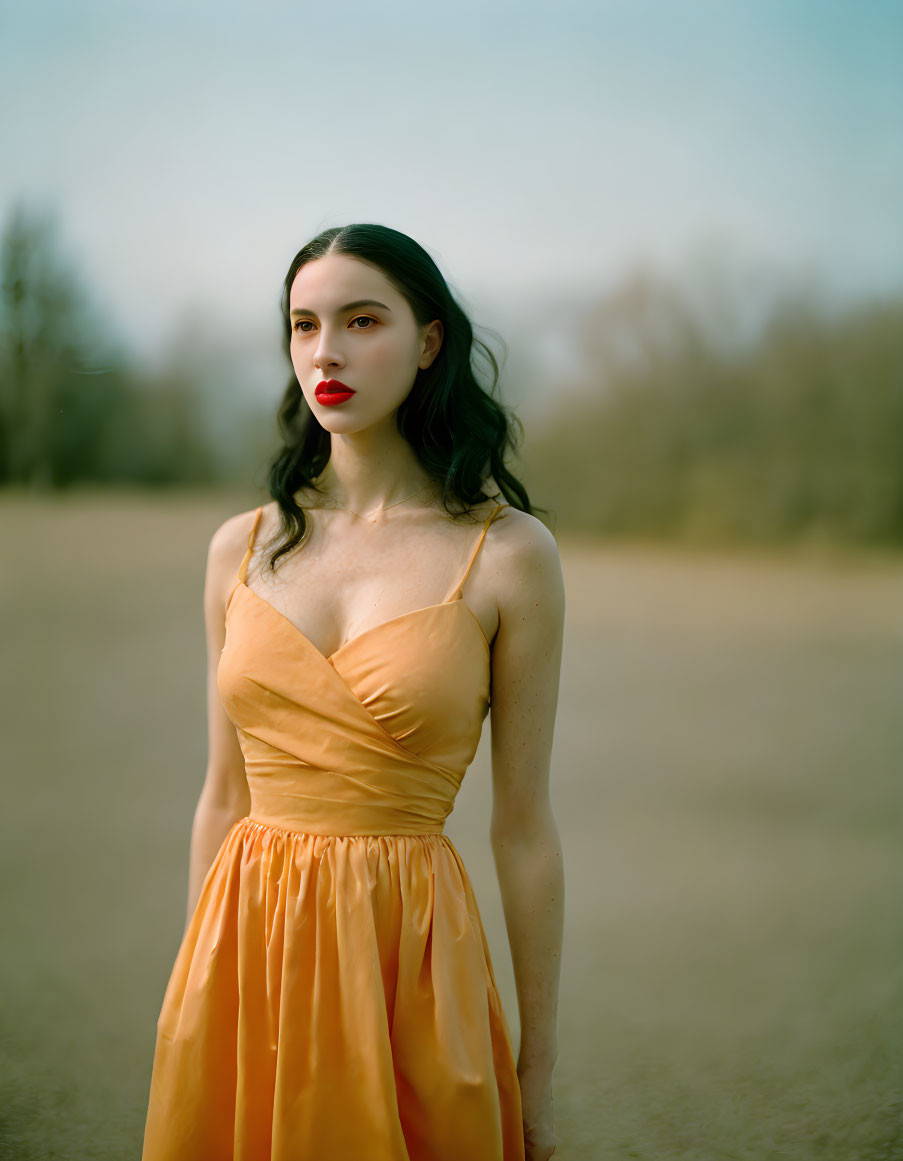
<point>296,325</point>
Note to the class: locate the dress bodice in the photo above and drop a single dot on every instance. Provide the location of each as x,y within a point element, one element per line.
<point>373,739</point>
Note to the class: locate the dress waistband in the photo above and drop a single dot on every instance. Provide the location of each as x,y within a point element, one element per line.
<point>322,802</point>
<point>251,824</point>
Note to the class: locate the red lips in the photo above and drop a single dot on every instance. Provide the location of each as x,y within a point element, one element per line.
<point>331,391</point>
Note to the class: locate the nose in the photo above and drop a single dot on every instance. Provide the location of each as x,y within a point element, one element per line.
<point>327,353</point>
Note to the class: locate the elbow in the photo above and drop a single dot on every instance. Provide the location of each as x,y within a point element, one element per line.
<point>521,827</point>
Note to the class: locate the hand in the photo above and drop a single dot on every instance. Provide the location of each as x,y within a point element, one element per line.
<point>538,1115</point>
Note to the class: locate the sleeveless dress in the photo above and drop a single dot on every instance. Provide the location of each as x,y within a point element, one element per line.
<point>333,996</point>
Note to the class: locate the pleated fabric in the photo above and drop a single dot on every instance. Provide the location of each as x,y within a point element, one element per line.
<point>333,995</point>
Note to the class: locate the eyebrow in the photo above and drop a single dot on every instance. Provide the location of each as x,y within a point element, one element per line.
<point>348,306</point>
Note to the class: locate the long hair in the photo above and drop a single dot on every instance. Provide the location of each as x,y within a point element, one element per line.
<point>459,432</point>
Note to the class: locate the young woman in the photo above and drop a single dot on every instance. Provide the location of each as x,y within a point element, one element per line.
<point>333,995</point>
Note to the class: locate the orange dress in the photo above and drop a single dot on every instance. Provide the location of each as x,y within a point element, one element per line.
<point>333,997</point>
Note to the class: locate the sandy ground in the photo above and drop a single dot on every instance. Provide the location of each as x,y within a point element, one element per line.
<point>727,783</point>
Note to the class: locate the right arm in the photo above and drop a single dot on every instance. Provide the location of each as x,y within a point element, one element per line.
<point>225,797</point>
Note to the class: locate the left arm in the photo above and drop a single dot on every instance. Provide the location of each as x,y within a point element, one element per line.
<point>526,665</point>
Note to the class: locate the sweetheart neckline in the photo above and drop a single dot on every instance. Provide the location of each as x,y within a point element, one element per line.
<point>328,657</point>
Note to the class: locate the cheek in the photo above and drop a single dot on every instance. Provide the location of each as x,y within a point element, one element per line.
<point>389,354</point>
<point>297,357</point>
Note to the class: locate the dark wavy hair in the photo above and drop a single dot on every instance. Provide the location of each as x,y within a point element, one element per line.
<point>459,432</point>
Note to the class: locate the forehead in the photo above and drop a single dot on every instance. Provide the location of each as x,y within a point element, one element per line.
<point>327,282</point>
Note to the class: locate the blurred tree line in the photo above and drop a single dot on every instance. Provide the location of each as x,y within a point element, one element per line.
<point>695,425</point>
<point>684,422</point>
<point>74,405</point>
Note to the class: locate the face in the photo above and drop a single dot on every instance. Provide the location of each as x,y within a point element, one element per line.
<point>375,347</point>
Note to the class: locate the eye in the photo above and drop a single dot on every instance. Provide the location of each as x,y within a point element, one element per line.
<point>301,324</point>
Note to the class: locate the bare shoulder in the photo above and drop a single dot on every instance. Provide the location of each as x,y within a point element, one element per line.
<point>527,565</point>
<point>226,550</point>
<point>233,534</point>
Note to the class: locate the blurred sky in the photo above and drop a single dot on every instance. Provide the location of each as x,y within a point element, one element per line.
<point>535,149</point>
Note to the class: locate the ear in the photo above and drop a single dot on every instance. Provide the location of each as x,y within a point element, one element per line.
<point>431,343</point>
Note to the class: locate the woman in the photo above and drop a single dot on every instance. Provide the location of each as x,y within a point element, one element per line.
<point>333,995</point>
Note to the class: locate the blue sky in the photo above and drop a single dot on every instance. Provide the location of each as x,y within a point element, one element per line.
<point>537,149</point>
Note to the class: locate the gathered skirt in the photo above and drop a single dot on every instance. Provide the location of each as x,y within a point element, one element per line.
<point>333,997</point>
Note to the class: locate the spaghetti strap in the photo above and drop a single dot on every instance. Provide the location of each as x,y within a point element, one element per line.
<point>243,567</point>
<point>492,515</point>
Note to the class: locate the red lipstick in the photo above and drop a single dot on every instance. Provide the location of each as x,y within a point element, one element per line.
<point>331,391</point>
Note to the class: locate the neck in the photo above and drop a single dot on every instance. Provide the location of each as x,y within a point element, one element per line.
<point>366,473</point>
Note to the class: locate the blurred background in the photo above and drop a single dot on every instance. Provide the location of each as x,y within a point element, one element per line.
<point>679,227</point>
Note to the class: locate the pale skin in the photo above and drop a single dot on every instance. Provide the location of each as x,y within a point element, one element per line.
<point>413,555</point>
